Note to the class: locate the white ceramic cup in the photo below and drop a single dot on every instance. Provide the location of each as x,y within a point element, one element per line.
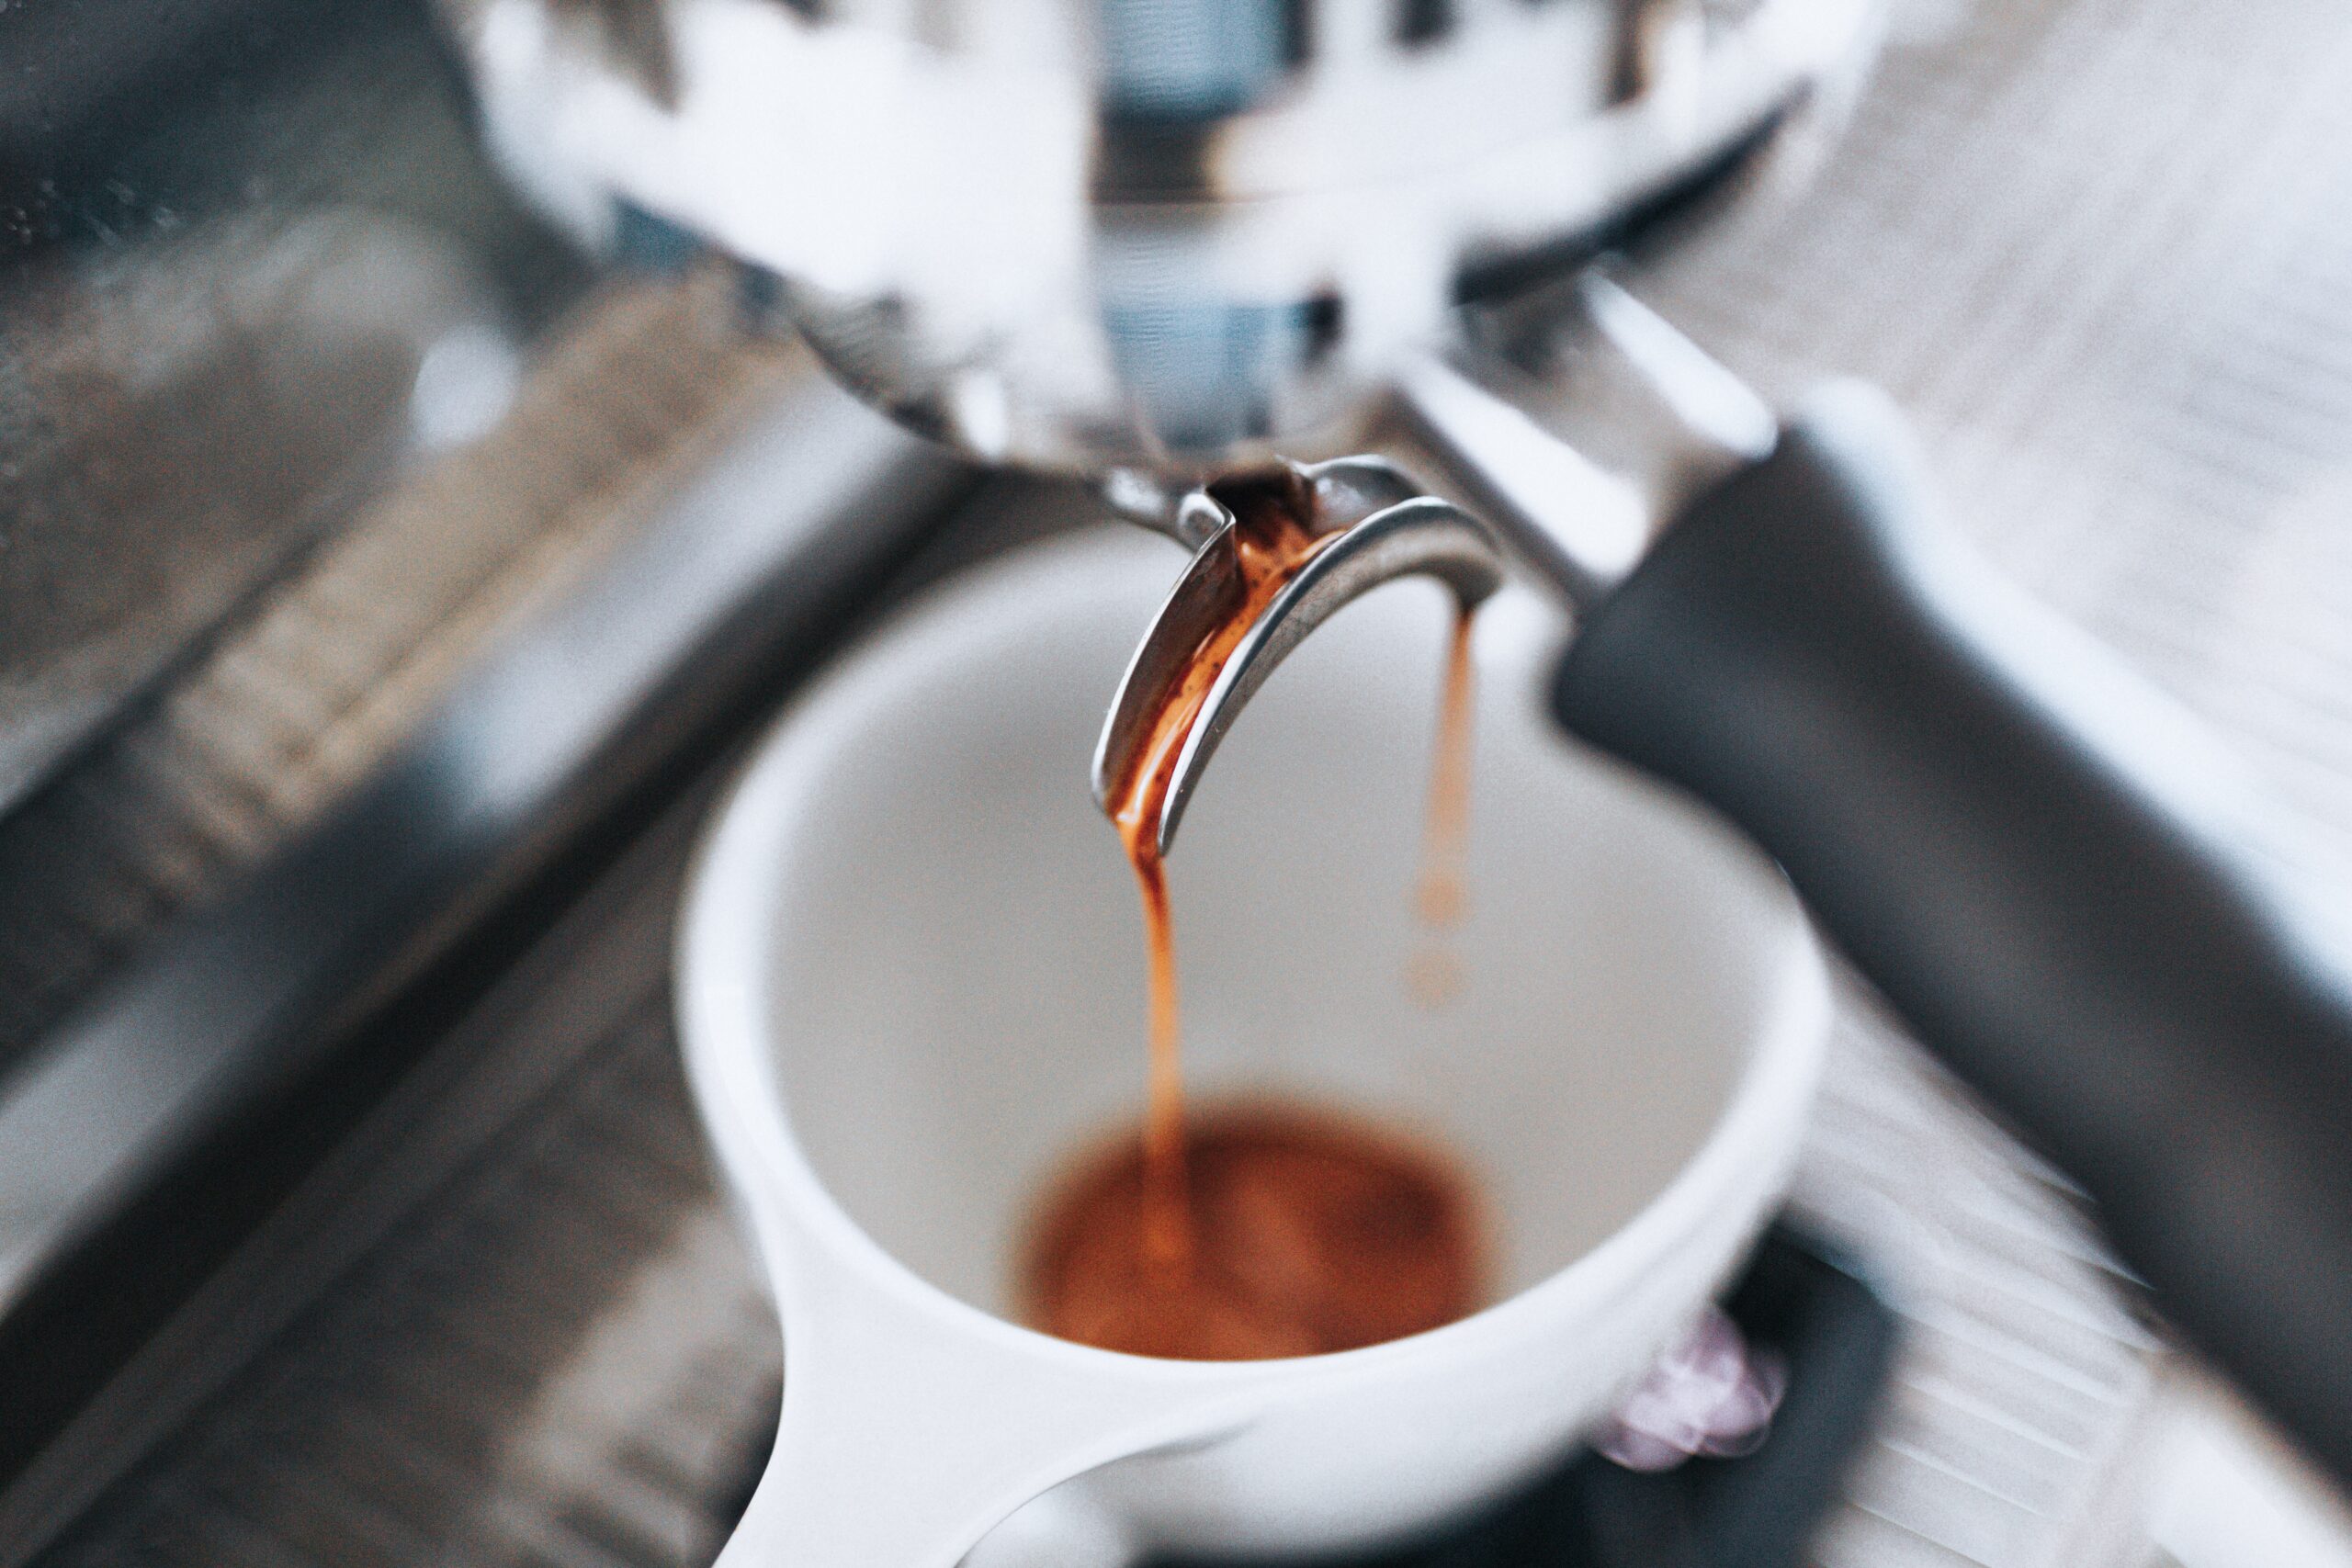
<point>911,985</point>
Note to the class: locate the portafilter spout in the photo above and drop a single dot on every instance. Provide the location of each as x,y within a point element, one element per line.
<point>1379,526</point>
<point>1658,422</point>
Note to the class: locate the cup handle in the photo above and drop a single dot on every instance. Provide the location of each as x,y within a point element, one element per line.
<point>910,1429</point>
<point>1063,1529</point>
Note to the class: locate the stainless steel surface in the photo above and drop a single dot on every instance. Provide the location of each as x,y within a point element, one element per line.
<point>752,531</point>
<point>282,713</point>
<point>103,1091</point>
<point>551,1349</point>
<point>189,429</point>
<point>1381,528</point>
<point>1168,234</point>
<point>251,267</point>
<point>1667,420</point>
<point>1656,422</point>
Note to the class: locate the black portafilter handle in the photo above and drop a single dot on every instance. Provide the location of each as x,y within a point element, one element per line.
<point>2029,853</point>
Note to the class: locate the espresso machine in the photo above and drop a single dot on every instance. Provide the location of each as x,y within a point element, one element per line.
<point>1161,242</point>
<point>1142,246</point>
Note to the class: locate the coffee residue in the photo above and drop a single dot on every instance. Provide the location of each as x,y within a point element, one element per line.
<point>1309,1233</point>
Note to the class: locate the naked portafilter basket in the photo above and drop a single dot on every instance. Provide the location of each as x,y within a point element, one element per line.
<point>1165,241</point>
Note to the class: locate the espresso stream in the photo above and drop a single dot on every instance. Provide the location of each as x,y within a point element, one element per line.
<point>1267,1230</point>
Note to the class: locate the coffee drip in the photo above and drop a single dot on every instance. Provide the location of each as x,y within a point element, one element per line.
<point>1442,895</point>
<point>1265,1231</point>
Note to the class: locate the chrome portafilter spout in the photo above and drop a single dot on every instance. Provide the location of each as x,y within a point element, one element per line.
<point>1661,423</point>
<point>1373,524</point>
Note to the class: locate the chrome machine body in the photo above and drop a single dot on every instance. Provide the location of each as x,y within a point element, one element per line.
<point>1163,238</point>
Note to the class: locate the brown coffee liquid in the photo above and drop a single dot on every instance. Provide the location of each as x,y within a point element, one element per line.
<point>1307,1233</point>
<point>1442,896</point>
<point>1271,541</point>
<point>1267,1234</point>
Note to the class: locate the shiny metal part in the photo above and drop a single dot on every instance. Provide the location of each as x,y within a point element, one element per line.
<point>1387,528</point>
<point>254,274</point>
<point>240,1018</point>
<point>1182,512</point>
<point>186,418</point>
<point>1174,235</point>
<point>1653,421</point>
<point>1658,422</point>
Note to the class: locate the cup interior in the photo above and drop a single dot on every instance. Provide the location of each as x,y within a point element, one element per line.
<point>955,972</point>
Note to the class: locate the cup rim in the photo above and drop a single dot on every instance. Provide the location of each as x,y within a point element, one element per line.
<point>729,1046</point>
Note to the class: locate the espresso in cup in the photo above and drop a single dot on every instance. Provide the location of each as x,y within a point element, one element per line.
<point>1305,1232</point>
<point>1266,1231</point>
<point>901,1021</point>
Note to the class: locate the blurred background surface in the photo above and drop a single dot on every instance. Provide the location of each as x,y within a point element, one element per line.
<point>342,848</point>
